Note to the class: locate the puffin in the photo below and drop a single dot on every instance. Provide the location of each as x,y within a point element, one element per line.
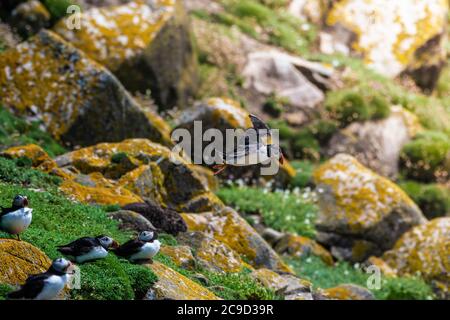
<point>88,248</point>
<point>251,153</point>
<point>17,218</point>
<point>142,249</point>
<point>47,285</point>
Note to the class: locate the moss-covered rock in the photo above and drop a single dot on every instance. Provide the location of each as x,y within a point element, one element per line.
<point>130,220</point>
<point>223,114</point>
<point>145,46</point>
<point>149,170</point>
<point>180,255</point>
<point>19,260</point>
<point>348,292</point>
<point>229,227</point>
<point>425,250</point>
<point>395,36</point>
<point>36,76</point>
<point>362,213</point>
<point>211,254</point>
<point>173,285</point>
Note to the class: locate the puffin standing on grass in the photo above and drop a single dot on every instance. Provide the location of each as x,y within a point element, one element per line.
<point>88,248</point>
<point>16,219</point>
<point>47,285</point>
<point>255,152</point>
<point>142,249</point>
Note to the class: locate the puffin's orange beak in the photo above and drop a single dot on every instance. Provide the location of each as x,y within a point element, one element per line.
<point>115,245</point>
<point>25,202</point>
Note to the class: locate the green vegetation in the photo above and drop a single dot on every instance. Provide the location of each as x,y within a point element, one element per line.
<point>426,157</point>
<point>57,8</point>
<point>281,210</point>
<point>119,157</point>
<point>304,174</point>
<point>433,199</point>
<point>325,276</point>
<point>4,290</point>
<point>15,131</point>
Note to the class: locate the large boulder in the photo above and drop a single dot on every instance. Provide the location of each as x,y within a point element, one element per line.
<point>425,249</point>
<point>19,260</point>
<point>229,227</point>
<point>149,170</point>
<point>377,144</point>
<point>361,213</point>
<point>348,292</point>
<point>394,36</point>
<point>79,101</point>
<point>223,114</point>
<point>172,285</point>
<point>130,220</point>
<point>146,44</point>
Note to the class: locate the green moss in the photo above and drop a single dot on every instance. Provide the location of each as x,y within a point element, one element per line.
<point>57,8</point>
<point>304,170</point>
<point>15,131</point>
<point>168,240</point>
<point>274,105</point>
<point>325,276</point>
<point>111,208</point>
<point>305,145</point>
<point>433,199</point>
<point>424,158</point>
<point>119,157</point>
<point>4,290</point>
<point>283,211</point>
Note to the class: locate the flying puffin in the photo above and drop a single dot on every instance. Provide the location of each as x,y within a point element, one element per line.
<point>47,285</point>
<point>16,219</point>
<point>88,248</point>
<point>248,153</point>
<point>142,249</point>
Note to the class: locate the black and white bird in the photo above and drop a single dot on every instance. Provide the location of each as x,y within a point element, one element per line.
<point>17,218</point>
<point>255,148</point>
<point>88,248</point>
<point>142,249</point>
<point>47,285</point>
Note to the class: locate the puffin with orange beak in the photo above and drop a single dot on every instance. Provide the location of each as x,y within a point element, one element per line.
<point>260,150</point>
<point>17,218</point>
<point>88,249</point>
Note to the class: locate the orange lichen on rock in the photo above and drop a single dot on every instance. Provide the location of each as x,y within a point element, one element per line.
<point>180,255</point>
<point>383,266</point>
<point>173,285</point>
<point>19,260</point>
<point>39,158</point>
<point>348,292</point>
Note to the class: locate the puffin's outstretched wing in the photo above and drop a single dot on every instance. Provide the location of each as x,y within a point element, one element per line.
<point>32,287</point>
<point>79,247</point>
<point>258,124</point>
<point>129,248</point>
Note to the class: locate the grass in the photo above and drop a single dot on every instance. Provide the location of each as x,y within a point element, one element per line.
<point>325,276</point>
<point>15,131</point>
<point>57,8</point>
<point>303,177</point>
<point>281,210</point>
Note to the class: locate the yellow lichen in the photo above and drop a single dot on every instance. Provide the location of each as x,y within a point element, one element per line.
<point>39,158</point>
<point>180,255</point>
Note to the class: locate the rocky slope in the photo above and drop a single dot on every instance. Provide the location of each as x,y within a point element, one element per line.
<point>86,117</point>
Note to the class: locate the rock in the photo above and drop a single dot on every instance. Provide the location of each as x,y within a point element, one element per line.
<point>147,45</point>
<point>36,76</point>
<point>307,10</point>
<point>377,144</point>
<point>7,37</point>
<point>19,260</point>
<point>272,236</point>
<point>348,292</point>
<point>361,213</point>
<point>165,220</point>
<point>385,269</point>
<point>171,285</point>
<point>130,220</point>
<point>395,36</point>
<point>166,178</point>
<point>180,255</point>
<point>229,227</point>
<point>425,249</point>
<point>298,246</point>
<point>211,254</point>
<point>274,72</point>
<point>39,158</point>
<point>287,285</point>
<point>223,114</point>
<point>29,17</point>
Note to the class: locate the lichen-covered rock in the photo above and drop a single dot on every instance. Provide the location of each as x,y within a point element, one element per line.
<point>395,36</point>
<point>385,269</point>
<point>148,169</point>
<point>29,17</point>
<point>212,254</point>
<point>377,144</point>
<point>299,246</point>
<point>361,213</point>
<point>174,286</point>
<point>223,114</point>
<point>19,260</point>
<point>146,44</point>
<point>348,292</point>
<point>130,220</point>
<point>229,227</point>
<point>425,249</point>
<point>39,158</point>
<point>286,285</point>
<point>180,255</point>
<point>36,77</point>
